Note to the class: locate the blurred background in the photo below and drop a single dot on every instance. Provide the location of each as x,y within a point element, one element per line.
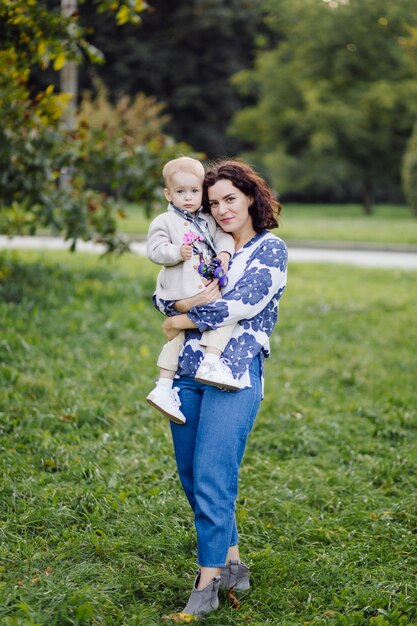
<point>319,95</point>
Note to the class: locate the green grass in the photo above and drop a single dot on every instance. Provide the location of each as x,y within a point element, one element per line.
<point>389,224</point>
<point>94,527</point>
<point>318,222</point>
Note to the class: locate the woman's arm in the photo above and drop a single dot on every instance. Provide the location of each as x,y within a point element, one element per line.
<point>210,294</point>
<point>263,279</point>
<point>171,307</point>
<point>173,325</point>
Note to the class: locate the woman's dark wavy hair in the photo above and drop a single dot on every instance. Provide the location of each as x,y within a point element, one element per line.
<point>264,209</point>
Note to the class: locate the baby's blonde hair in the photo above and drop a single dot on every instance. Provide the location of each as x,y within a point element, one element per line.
<point>183,164</point>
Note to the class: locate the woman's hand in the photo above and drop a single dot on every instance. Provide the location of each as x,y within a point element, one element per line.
<point>169,330</point>
<point>173,325</point>
<point>224,258</point>
<point>210,294</point>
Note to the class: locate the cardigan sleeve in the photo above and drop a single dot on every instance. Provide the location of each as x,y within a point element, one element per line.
<point>264,278</point>
<point>159,246</point>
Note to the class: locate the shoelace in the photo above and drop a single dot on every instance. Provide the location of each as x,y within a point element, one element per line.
<point>225,365</point>
<point>175,396</point>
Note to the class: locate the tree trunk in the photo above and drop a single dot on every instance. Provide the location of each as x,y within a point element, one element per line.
<point>69,73</point>
<point>368,199</point>
<point>68,84</point>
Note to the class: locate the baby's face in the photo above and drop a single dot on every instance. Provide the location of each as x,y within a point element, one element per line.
<point>185,191</point>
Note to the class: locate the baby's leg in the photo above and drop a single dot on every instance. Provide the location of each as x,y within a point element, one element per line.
<point>168,357</point>
<point>213,350</point>
<point>215,341</point>
<point>213,370</point>
<point>164,397</point>
<point>166,374</point>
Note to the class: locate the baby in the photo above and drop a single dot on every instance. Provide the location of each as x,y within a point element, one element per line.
<point>185,240</point>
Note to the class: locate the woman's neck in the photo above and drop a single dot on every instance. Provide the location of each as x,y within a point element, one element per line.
<point>242,238</point>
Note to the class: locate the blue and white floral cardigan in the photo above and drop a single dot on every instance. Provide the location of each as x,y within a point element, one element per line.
<point>257,278</point>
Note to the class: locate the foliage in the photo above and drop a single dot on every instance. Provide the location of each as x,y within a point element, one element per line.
<point>33,153</point>
<point>38,158</point>
<point>336,98</point>
<point>141,118</point>
<point>28,137</point>
<point>125,142</point>
<point>95,527</point>
<point>409,171</point>
<point>40,35</point>
<point>183,55</point>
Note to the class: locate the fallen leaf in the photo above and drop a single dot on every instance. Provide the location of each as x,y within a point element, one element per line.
<point>67,417</point>
<point>185,618</point>
<point>233,600</point>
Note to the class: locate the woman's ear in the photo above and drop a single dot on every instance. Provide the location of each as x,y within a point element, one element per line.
<point>167,194</point>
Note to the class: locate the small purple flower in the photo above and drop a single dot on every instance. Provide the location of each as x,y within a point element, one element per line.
<point>190,237</point>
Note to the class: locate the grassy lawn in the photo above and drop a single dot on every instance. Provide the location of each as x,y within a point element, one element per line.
<point>317,222</point>
<point>94,527</point>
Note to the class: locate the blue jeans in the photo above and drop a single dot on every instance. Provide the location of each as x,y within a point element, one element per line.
<point>209,449</point>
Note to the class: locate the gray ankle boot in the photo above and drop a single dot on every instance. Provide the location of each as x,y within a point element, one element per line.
<point>235,576</point>
<point>202,601</point>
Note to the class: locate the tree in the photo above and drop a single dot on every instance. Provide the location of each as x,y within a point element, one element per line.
<point>34,148</point>
<point>336,98</point>
<point>184,55</point>
<point>126,141</point>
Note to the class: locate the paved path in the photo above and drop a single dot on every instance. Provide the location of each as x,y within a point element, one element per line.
<point>363,258</point>
<point>360,257</point>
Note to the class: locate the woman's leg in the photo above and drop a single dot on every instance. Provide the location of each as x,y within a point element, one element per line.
<point>209,452</point>
<point>226,419</point>
<point>233,553</point>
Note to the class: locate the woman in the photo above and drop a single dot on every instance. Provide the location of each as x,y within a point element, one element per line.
<point>210,446</point>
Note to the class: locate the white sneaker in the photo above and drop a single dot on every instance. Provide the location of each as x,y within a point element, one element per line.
<point>217,374</point>
<point>167,401</point>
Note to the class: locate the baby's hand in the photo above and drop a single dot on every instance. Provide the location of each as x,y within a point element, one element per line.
<point>186,251</point>
<point>224,258</point>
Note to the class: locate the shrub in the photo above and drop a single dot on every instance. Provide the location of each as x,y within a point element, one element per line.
<point>70,180</point>
<point>123,147</point>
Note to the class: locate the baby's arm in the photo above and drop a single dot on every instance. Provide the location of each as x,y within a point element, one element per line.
<point>186,251</point>
<point>263,280</point>
<point>160,248</point>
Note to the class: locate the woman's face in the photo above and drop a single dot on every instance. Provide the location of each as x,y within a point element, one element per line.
<point>230,208</point>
